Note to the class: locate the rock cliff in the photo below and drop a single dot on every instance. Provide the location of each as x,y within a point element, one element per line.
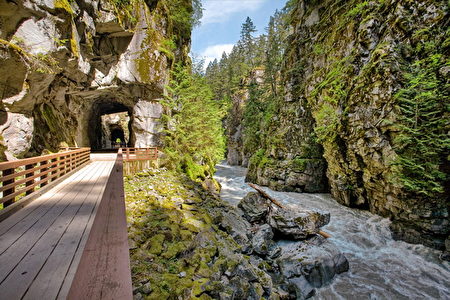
<point>64,64</point>
<point>365,96</point>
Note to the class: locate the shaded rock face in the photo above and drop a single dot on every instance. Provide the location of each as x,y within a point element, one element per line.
<point>238,154</point>
<point>235,154</point>
<point>64,64</point>
<point>345,63</point>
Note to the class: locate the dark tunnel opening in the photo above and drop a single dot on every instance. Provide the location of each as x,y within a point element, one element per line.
<point>117,137</point>
<point>109,121</point>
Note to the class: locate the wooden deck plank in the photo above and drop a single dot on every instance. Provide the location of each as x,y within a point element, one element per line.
<point>18,281</point>
<point>12,256</point>
<point>104,269</point>
<point>21,224</point>
<point>50,278</point>
<point>11,221</point>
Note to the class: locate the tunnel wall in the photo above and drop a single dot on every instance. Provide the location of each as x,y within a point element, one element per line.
<point>58,61</point>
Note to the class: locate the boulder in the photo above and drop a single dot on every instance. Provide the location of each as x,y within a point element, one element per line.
<point>17,133</point>
<point>297,224</point>
<point>311,265</point>
<point>262,240</point>
<point>237,227</point>
<point>254,206</point>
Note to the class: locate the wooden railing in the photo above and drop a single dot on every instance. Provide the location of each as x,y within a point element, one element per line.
<point>21,177</point>
<point>132,154</point>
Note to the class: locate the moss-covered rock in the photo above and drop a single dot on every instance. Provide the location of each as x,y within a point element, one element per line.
<point>185,243</point>
<point>176,247</point>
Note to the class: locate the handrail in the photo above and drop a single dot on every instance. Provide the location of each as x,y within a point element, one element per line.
<point>133,154</point>
<point>21,176</point>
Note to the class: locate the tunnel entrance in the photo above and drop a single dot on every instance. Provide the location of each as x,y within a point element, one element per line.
<point>109,125</point>
<point>118,138</point>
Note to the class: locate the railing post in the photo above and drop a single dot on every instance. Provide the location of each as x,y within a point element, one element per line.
<point>70,162</point>
<point>30,182</point>
<point>62,165</point>
<point>43,163</point>
<point>8,191</point>
<point>54,167</point>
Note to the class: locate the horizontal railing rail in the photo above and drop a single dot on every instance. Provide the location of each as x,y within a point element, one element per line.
<point>133,154</point>
<point>22,177</point>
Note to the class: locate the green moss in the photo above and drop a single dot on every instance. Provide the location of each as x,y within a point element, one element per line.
<point>156,244</point>
<point>64,4</point>
<point>300,164</point>
<point>358,9</point>
<point>159,258</point>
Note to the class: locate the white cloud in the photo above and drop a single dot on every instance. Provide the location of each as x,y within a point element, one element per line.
<point>215,51</point>
<point>218,11</point>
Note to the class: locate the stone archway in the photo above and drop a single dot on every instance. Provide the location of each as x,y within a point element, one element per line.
<point>115,130</point>
<point>107,117</point>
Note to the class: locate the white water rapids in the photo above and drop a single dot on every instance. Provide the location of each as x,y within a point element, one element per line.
<point>380,267</point>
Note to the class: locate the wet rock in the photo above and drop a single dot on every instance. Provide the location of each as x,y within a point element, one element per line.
<point>302,287</point>
<point>318,262</point>
<point>237,227</point>
<point>297,224</point>
<point>274,251</point>
<point>446,254</point>
<point>262,240</point>
<point>254,206</point>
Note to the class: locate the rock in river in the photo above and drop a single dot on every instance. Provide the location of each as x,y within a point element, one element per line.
<point>297,224</point>
<point>254,206</point>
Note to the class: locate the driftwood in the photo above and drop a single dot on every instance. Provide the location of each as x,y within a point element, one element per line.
<point>324,234</point>
<point>265,195</point>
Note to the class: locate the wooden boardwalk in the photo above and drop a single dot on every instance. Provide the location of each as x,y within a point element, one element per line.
<point>42,244</point>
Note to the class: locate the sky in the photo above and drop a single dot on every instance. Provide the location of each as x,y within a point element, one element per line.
<point>221,24</point>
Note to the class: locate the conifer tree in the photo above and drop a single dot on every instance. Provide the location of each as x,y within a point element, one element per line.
<point>194,140</point>
<point>247,41</point>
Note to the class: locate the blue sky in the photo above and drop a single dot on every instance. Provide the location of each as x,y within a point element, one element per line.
<point>221,24</point>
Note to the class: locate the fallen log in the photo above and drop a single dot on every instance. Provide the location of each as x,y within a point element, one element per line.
<point>265,195</point>
<point>324,234</point>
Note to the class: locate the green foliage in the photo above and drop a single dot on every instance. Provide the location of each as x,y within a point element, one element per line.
<point>258,158</point>
<point>235,74</point>
<point>194,141</point>
<point>358,9</point>
<point>252,117</point>
<point>423,144</point>
<point>167,47</point>
<point>327,97</point>
<point>184,15</point>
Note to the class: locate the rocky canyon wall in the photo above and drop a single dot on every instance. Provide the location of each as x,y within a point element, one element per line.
<point>64,64</point>
<point>365,96</point>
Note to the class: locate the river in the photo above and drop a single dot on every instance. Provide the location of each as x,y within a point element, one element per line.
<point>380,267</point>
